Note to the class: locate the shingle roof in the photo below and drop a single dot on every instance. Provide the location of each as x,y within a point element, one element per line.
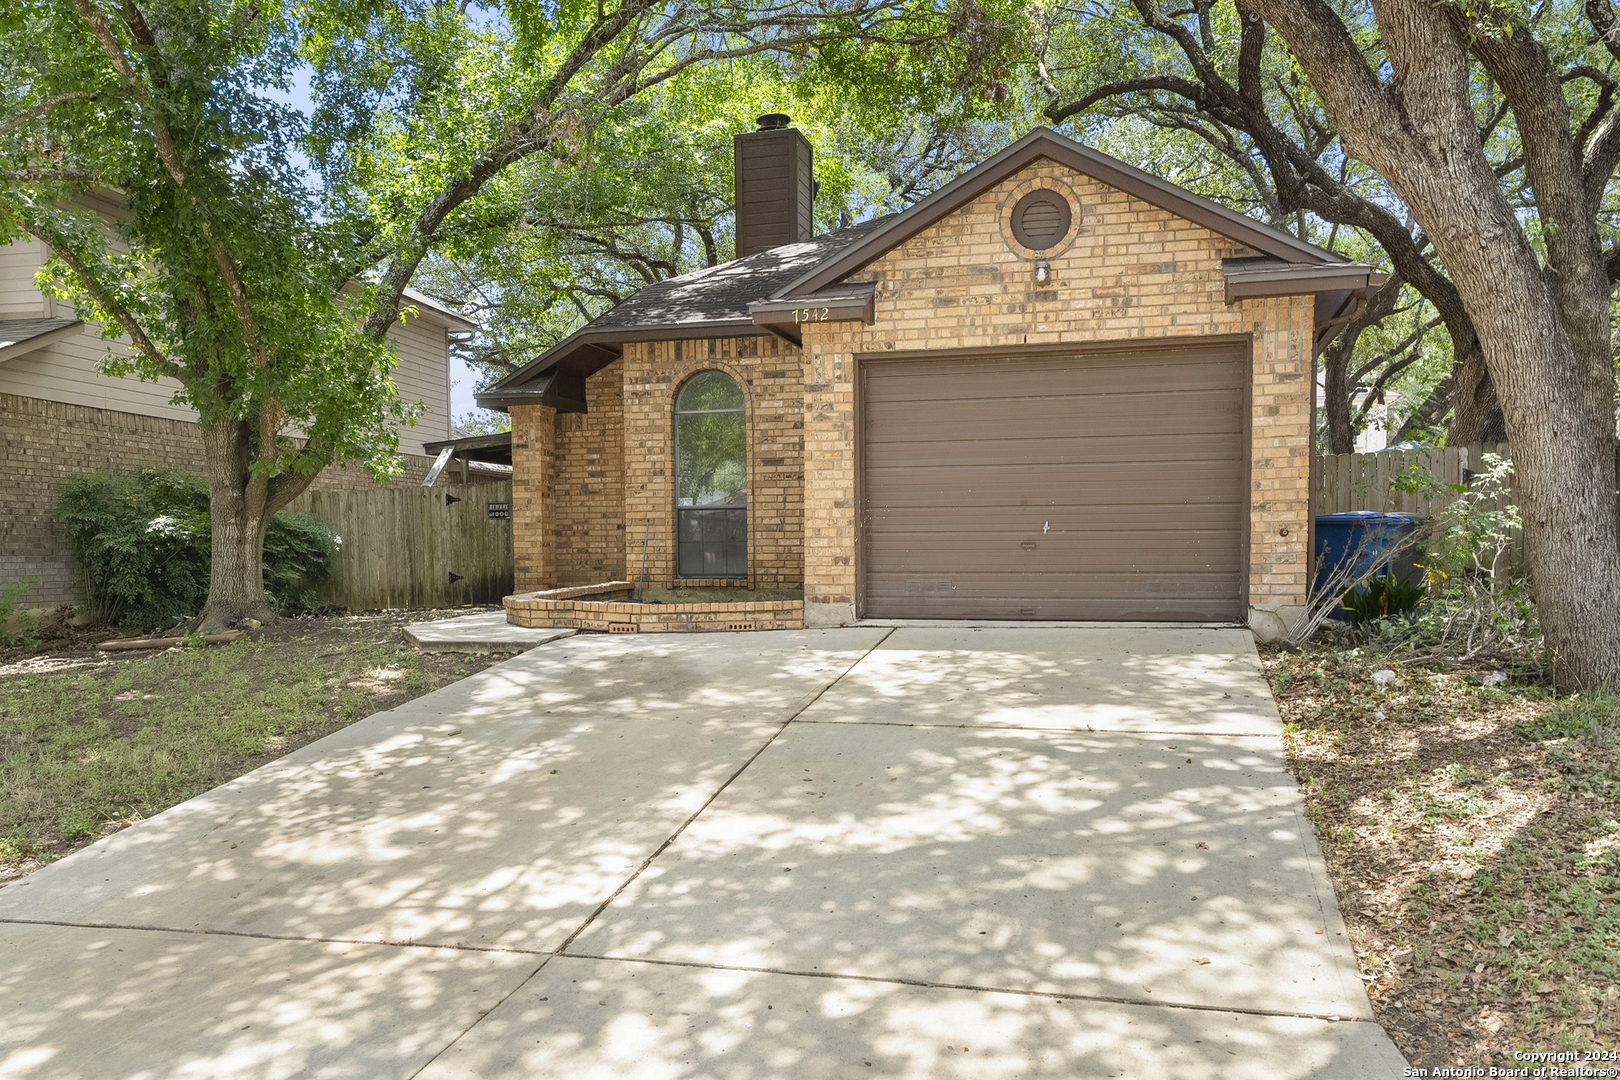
<point>722,293</point>
<point>715,301</point>
<point>712,300</point>
<point>17,331</point>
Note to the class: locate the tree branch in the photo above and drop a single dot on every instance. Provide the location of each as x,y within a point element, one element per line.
<point>37,111</point>
<point>1184,87</point>
<point>50,176</point>
<point>103,296</point>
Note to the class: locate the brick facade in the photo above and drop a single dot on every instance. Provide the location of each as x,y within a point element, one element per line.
<point>48,443</point>
<point>1129,271</point>
<point>534,525</point>
<point>589,485</point>
<point>607,607</point>
<point>768,370</point>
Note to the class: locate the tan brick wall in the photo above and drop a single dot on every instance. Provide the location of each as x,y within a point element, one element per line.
<point>534,540</point>
<point>606,607</point>
<point>47,443</point>
<point>1130,271</point>
<point>589,484</point>
<point>769,371</point>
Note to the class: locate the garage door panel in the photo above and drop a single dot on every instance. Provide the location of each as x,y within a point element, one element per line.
<point>1210,420</point>
<point>1083,487</point>
<point>937,384</point>
<point>1013,520</point>
<point>1068,484</point>
<point>1191,449</point>
<point>1139,609</point>
<point>1163,412</point>
<point>1074,596</point>
<point>1124,554</point>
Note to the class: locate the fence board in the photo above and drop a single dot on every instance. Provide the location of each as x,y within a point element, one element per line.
<point>1363,481</point>
<point>400,545</point>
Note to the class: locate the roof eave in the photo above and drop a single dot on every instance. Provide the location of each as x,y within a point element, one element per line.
<point>1298,281</point>
<point>785,318</point>
<point>429,308</point>
<point>24,346</point>
<point>589,350</point>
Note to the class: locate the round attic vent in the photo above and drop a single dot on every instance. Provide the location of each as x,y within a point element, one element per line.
<point>1041,219</point>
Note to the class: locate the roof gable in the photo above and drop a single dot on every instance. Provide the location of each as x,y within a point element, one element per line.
<point>1045,143</point>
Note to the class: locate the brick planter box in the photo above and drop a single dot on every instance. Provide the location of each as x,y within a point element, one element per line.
<point>605,607</point>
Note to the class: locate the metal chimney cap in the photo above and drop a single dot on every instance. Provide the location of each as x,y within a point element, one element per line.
<point>775,121</point>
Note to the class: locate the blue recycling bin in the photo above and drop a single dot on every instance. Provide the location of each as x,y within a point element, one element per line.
<point>1364,538</point>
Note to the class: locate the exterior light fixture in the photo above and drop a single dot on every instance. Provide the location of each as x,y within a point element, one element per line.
<point>1043,273</point>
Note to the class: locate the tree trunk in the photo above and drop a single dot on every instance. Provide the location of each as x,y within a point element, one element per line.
<point>1544,337</point>
<point>1476,415</point>
<point>240,511</point>
<point>1336,392</point>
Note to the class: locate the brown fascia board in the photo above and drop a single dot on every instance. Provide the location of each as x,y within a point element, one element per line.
<point>784,317</point>
<point>1046,143</point>
<point>1252,284</point>
<point>574,359</point>
<point>498,441</point>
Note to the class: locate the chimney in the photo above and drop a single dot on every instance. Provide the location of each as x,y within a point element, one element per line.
<point>776,187</point>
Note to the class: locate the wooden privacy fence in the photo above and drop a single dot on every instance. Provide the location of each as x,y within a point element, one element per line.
<point>1367,481</point>
<point>419,547</point>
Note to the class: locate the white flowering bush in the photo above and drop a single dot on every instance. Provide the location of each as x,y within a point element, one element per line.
<point>141,545</point>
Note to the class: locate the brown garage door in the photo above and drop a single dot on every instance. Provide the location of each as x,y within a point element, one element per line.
<point>1091,486</point>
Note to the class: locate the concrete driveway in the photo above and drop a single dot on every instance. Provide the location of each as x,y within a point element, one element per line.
<point>876,852</point>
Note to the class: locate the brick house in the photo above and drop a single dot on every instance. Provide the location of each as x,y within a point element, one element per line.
<point>60,417</point>
<point>1057,388</point>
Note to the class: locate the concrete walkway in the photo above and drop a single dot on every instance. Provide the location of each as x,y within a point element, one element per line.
<point>922,852</point>
<point>485,632</point>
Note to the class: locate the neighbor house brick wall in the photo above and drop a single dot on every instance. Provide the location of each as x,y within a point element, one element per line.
<point>47,443</point>
<point>589,486</point>
<point>534,526</point>
<point>1128,272</point>
<point>770,374</point>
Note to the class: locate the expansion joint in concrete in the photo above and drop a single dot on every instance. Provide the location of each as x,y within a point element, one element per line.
<point>676,835</point>
<point>139,928</point>
<point>1051,995</point>
<point>1183,732</point>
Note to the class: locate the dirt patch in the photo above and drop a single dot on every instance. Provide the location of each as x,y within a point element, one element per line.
<point>1477,861</point>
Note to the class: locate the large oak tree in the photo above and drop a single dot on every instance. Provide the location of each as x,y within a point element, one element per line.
<point>1535,279</point>
<point>263,259</point>
<point>1204,70</point>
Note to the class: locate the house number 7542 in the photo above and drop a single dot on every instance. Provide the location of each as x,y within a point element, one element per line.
<point>811,314</point>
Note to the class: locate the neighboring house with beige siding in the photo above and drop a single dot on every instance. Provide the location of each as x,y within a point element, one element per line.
<point>62,418</point>
<point>1058,388</point>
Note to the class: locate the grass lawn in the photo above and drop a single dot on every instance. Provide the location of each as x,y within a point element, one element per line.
<point>90,743</point>
<point>1472,836</point>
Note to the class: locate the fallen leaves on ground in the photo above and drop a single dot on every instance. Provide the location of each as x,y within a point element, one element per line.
<point>1478,868</point>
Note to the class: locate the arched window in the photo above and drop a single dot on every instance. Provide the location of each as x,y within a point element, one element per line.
<point>711,478</point>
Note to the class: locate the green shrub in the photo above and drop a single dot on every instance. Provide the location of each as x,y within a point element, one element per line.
<point>1479,603</point>
<point>140,544</point>
<point>300,559</point>
<point>141,547</point>
<point>1381,598</point>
